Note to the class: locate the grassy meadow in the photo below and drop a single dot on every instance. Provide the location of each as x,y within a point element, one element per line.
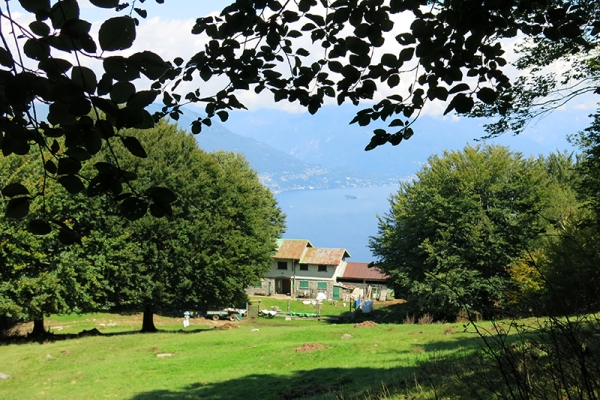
<point>254,359</point>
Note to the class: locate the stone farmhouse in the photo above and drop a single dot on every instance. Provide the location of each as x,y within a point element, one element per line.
<point>301,270</point>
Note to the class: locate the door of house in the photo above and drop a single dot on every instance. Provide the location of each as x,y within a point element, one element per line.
<point>283,286</point>
<point>286,286</point>
<point>336,292</point>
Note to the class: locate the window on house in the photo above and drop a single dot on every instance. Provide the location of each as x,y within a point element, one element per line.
<point>282,265</point>
<point>322,268</point>
<point>303,284</point>
<point>322,285</point>
<point>303,267</point>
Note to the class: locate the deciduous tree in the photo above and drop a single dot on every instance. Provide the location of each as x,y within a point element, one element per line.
<point>452,233</point>
<point>207,245</point>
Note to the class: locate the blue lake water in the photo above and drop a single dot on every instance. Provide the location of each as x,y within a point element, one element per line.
<point>336,217</point>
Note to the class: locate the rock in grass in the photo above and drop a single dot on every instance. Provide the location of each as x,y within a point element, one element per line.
<point>163,355</point>
<point>255,330</point>
<point>346,336</point>
<point>4,376</point>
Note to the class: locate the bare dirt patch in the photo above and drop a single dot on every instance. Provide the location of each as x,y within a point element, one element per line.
<point>366,324</point>
<point>228,325</point>
<point>311,347</point>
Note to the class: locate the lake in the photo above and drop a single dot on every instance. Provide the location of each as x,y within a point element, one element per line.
<point>336,217</point>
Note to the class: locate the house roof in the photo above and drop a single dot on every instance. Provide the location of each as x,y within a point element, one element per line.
<point>291,249</point>
<point>323,256</point>
<point>358,270</point>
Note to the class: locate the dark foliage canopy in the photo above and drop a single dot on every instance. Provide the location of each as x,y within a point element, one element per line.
<point>452,52</point>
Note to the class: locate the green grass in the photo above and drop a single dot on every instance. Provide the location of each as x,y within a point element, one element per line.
<point>296,305</point>
<point>225,364</point>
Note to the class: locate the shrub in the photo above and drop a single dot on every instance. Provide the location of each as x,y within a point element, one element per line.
<point>425,319</point>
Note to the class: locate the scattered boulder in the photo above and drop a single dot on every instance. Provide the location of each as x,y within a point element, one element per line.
<point>4,376</point>
<point>48,356</point>
<point>347,336</point>
<point>163,355</point>
<point>255,330</point>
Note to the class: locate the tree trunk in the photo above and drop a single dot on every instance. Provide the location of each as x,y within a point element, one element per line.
<point>148,320</point>
<point>38,327</point>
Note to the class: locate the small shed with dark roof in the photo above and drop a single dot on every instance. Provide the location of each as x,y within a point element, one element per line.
<point>359,274</point>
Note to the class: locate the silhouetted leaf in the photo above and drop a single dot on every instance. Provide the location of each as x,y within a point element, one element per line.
<point>150,64</point>
<point>142,99</point>
<point>117,33</point>
<point>463,103</point>
<point>459,88</point>
<point>68,236</point>
<point>36,50</point>
<point>487,95</point>
<point>140,12</point>
<point>134,146</point>
<point>161,195</point>
<point>160,210</point>
<point>121,92</point>
<point>6,58</point>
<point>50,167</point>
<point>223,115</point>
<point>130,117</point>
<point>63,11</point>
<point>39,227</point>
<point>35,6</point>
<point>68,165</point>
<point>14,189</point>
<point>407,134</point>
<point>84,78</point>
<point>105,3</point>
<point>133,208</point>
<point>406,54</point>
<point>72,183</point>
<point>55,66</point>
<point>78,153</point>
<point>18,207</point>
<point>39,28</point>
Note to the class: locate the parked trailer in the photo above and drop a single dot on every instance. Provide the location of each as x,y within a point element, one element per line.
<point>232,314</point>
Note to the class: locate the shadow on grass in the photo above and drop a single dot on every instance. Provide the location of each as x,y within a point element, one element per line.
<point>318,383</point>
<point>394,313</point>
<point>433,378</point>
<point>49,337</point>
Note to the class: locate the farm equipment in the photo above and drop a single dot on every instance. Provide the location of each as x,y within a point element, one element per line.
<point>232,314</point>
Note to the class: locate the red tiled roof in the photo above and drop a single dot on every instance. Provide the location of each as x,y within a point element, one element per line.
<point>291,249</point>
<point>323,256</point>
<point>358,270</point>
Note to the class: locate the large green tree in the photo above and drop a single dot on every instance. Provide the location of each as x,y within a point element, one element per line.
<point>453,233</point>
<point>199,249</point>
<point>39,275</point>
<point>209,243</point>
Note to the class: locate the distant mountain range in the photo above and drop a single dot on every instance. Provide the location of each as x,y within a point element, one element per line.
<point>322,151</point>
<point>279,170</point>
